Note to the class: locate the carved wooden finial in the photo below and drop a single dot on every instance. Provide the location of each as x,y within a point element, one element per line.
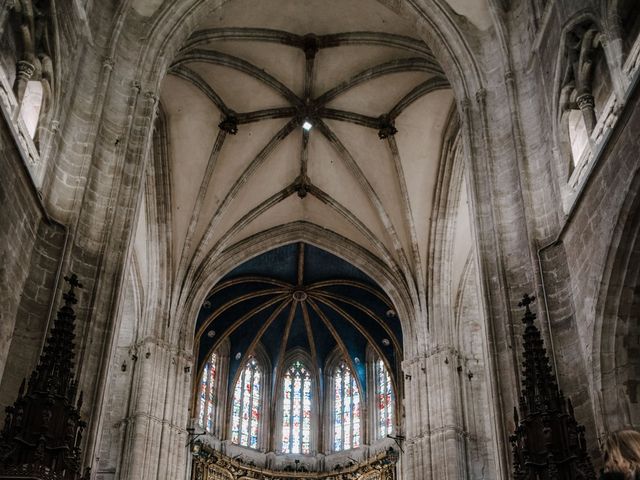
<point>47,403</point>
<point>526,301</point>
<point>539,451</point>
<point>73,281</point>
<point>70,296</point>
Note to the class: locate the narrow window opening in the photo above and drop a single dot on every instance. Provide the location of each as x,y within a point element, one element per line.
<point>578,137</point>
<point>31,106</point>
<point>207,395</point>
<point>296,410</point>
<point>346,422</point>
<point>247,408</point>
<point>384,400</point>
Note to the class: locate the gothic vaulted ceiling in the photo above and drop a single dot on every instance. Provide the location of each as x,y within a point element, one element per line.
<point>237,96</point>
<point>299,297</point>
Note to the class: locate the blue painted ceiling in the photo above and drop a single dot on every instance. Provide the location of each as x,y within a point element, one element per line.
<point>345,310</point>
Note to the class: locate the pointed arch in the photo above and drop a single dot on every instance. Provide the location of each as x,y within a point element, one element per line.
<point>207,394</point>
<point>385,400</point>
<point>344,402</point>
<point>209,387</point>
<point>382,397</point>
<point>585,85</point>
<point>216,267</point>
<point>615,360</point>
<point>297,405</point>
<point>248,404</point>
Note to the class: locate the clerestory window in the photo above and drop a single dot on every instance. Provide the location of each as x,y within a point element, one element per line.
<point>346,409</point>
<point>385,402</point>
<point>246,412</point>
<point>207,393</point>
<point>296,409</point>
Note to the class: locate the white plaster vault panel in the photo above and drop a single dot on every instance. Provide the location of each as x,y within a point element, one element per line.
<point>362,191</point>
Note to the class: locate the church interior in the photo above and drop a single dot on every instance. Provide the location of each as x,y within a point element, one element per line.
<point>318,239</point>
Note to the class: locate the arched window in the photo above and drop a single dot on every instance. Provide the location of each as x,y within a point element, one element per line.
<point>578,137</point>
<point>247,407</point>
<point>31,106</point>
<point>346,409</point>
<point>384,399</point>
<point>585,95</point>
<point>207,396</point>
<point>296,409</point>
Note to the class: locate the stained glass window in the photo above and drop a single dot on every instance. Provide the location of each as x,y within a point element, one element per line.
<point>207,394</point>
<point>247,409</point>
<point>384,399</point>
<point>346,409</point>
<point>296,410</point>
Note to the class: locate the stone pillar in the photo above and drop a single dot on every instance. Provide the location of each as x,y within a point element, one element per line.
<point>416,462</point>
<point>447,432</point>
<point>435,433</point>
<point>156,438</point>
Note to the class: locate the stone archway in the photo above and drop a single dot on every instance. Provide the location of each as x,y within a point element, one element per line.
<point>617,334</point>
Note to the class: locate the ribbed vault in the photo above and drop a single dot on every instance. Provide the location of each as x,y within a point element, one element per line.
<point>300,297</point>
<point>236,99</point>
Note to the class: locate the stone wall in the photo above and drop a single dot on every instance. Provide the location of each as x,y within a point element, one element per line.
<point>94,160</point>
<point>31,250</point>
<point>575,267</point>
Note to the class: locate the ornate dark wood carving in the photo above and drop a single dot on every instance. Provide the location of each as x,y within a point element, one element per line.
<point>548,443</point>
<point>43,429</point>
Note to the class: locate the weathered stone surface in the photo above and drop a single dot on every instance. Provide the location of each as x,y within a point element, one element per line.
<point>508,211</point>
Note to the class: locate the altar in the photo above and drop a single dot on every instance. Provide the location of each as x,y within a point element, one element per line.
<point>209,464</point>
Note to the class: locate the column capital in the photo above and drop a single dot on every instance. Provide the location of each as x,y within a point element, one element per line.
<point>585,101</point>
<point>25,69</point>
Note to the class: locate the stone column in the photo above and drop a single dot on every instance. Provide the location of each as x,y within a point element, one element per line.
<point>156,438</point>
<point>435,432</point>
<point>447,432</point>
<point>416,461</point>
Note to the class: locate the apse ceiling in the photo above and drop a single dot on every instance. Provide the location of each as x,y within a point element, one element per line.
<point>299,297</point>
<point>238,95</point>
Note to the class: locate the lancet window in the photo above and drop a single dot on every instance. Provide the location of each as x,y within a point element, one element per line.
<point>207,393</point>
<point>247,406</point>
<point>296,409</point>
<point>385,402</point>
<point>346,409</point>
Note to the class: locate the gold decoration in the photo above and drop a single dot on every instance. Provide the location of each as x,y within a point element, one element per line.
<point>209,464</point>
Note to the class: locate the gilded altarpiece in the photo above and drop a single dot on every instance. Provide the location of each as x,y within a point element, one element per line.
<point>212,465</point>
